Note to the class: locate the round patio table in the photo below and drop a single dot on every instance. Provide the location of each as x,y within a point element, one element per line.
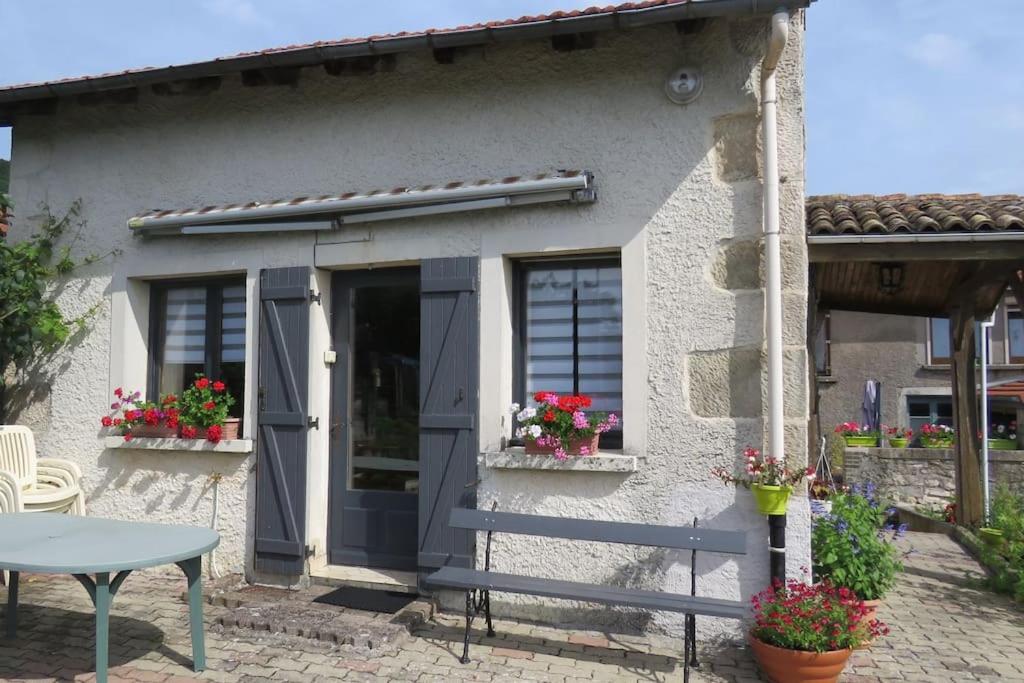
<point>91,549</point>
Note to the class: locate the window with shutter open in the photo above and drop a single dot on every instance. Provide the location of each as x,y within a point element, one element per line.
<point>570,332</point>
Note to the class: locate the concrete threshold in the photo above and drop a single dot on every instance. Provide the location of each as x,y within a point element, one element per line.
<point>364,577</point>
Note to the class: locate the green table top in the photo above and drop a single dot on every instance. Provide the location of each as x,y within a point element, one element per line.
<point>52,543</point>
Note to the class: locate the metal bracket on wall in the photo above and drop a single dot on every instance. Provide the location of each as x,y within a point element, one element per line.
<point>313,422</point>
<point>315,296</point>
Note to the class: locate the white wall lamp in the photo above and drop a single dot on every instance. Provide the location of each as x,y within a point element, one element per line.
<point>684,85</point>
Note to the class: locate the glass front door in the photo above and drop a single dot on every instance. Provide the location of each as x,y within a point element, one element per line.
<point>375,419</point>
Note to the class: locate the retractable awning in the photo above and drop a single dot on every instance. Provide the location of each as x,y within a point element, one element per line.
<point>331,212</point>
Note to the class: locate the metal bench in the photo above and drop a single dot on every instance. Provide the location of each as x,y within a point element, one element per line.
<point>478,584</point>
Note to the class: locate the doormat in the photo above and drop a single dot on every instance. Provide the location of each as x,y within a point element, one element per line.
<point>385,602</point>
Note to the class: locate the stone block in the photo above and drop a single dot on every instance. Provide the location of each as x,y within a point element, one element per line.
<point>726,382</point>
<point>737,265</point>
<point>736,146</point>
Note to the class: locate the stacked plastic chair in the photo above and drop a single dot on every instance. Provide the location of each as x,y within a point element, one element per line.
<point>31,484</point>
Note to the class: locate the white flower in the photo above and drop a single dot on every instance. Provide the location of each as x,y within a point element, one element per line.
<point>515,408</point>
<point>527,414</point>
<point>535,431</point>
<point>520,433</point>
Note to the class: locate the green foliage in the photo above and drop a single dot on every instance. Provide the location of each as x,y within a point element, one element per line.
<point>205,403</point>
<point>5,177</point>
<point>1007,560</point>
<point>31,322</point>
<point>850,548</point>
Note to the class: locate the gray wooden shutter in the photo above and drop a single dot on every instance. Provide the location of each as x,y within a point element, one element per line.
<point>449,379</point>
<point>283,390</point>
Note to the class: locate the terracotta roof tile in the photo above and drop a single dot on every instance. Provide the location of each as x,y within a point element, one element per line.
<point>894,213</point>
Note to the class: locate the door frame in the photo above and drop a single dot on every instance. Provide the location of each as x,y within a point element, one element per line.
<point>339,424</point>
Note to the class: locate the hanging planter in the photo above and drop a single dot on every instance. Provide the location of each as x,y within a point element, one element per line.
<point>991,536</point>
<point>771,500</point>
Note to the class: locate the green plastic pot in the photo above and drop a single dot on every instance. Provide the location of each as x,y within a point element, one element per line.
<point>869,441</point>
<point>1002,444</point>
<point>992,537</point>
<point>771,500</point>
<point>898,442</point>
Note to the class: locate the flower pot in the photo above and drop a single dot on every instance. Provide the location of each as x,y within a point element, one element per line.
<point>232,429</point>
<point>794,666</point>
<point>938,444</point>
<point>574,447</point>
<point>897,442</point>
<point>771,500</point>
<point>1002,444</point>
<point>154,432</point>
<point>870,614</point>
<point>992,537</point>
<point>869,441</point>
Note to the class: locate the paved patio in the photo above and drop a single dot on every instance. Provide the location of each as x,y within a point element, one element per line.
<point>944,628</point>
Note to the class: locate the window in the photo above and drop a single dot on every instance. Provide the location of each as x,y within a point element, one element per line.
<point>939,352</point>
<point>823,347</point>
<point>570,333</point>
<point>924,410</point>
<point>938,341</point>
<point>1015,335</point>
<point>198,326</point>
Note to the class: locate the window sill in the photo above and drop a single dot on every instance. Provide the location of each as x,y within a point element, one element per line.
<point>517,459</point>
<point>240,446</point>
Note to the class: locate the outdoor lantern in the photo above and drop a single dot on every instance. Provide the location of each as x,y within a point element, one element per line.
<point>890,277</point>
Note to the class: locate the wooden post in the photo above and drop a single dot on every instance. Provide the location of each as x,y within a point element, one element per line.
<point>965,415</point>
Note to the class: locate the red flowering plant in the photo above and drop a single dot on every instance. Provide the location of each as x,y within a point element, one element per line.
<point>130,412</point>
<point>763,471</point>
<point>937,436</point>
<point>205,405</point>
<point>812,618</point>
<point>854,429</point>
<point>561,423</point>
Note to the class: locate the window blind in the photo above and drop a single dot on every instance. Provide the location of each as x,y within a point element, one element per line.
<point>185,339</point>
<point>233,325</point>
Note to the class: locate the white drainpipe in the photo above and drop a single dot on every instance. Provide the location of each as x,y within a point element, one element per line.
<point>773,251</point>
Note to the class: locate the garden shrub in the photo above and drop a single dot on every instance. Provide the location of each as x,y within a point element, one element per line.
<point>851,546</point>
<point>1007,560</point>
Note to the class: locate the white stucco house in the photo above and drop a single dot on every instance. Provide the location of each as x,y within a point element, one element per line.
<point>376,337</point>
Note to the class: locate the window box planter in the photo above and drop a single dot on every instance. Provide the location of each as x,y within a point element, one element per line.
<point>518,459</point>
<point>1002,444</point>
<point>237,446</point>
<point>575,447</point>
<point>898,443</point>
<point>938,444</point>
<point>868,441</point>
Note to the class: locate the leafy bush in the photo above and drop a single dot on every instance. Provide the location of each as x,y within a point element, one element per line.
<point>818,618</point>
<point>850,547</point>
<point>1007,561</point>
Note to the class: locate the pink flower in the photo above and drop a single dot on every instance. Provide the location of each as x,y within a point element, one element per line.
<point>584,450</point>
<point>560,453</point>
<point>579,420</point>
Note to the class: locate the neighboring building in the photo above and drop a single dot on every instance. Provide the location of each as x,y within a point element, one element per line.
<point>648,298</point>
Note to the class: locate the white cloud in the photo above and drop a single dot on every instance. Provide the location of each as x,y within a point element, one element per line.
<point>240,11</point>
<point>940,51</point>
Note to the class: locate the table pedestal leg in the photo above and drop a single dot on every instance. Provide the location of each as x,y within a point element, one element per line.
<point>102,625</point>
<point>193,569</point>
<point>12,605</point>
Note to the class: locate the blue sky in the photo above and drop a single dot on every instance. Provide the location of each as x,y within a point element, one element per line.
<point>902,96</point>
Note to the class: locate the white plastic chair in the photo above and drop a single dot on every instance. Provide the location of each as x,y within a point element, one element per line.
<point>31,484</point>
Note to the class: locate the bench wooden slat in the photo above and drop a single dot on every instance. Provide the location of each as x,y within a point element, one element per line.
<point>457,577</point>
<point>685,537</point>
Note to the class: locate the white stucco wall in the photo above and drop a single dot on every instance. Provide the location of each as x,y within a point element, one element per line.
<point>678,197</point>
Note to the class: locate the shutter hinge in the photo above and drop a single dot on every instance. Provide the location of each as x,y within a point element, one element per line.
<point>313,422</point>
<point>310,551</point>
<point>314,296</point>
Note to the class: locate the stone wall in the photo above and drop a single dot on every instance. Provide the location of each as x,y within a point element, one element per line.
<point>924,476</point>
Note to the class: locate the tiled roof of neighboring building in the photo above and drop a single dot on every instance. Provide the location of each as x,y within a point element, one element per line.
<point>1013,389</point>
<point>599,18</point>
<point>900,213</point>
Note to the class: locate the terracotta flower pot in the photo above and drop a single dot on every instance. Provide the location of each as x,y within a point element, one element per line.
<point>229,430</point>
<point>771,500</point>
<point>574,447</point>
<point>160,431</point>
<point>794,666</point>
<point>869,441</point>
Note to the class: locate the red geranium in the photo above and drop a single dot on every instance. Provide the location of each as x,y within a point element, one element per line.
<point>106,421</point>
<point>549,416</point>
<point>209,405</point>
<point>188,432</point>
<point>213,433</point>
<point>151,417</point>
<point>202,383</point>
<point>218,386</point>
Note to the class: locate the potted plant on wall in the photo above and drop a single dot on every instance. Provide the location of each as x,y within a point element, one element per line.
<point>807,633</point>
<point>768,477</point>
<point>857,435</point>
<point>204,411</point>
<point>897,437</point>
<point>1003,437</point>
<point>133,417</point>
<point>560,425</point>
<point>937,436</point>
<point>851,547</point>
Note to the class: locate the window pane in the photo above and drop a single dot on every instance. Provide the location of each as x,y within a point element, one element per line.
<point>821,343</point>
<point>940,340</point>
<point>574,332</point>
<point>184,343</point>
<point>1015,335</point>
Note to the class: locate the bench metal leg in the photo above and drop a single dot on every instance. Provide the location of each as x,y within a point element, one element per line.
<point>487,613</point>
<point>12,605</point>
<point>469,622</point>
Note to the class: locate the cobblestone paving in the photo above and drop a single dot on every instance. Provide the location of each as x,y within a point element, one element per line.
<point>944,629</point>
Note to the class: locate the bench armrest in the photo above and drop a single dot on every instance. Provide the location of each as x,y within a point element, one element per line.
<point>10,493</point>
